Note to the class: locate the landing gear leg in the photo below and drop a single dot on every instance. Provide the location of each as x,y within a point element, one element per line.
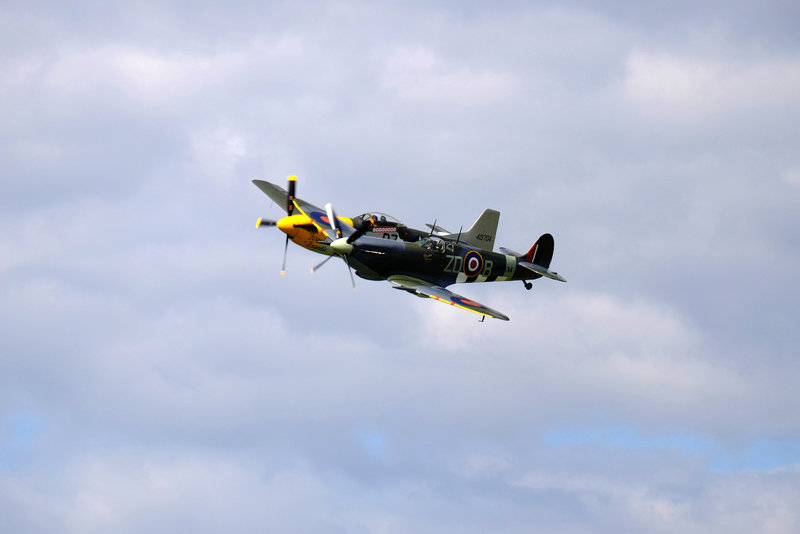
<point>527,284</point>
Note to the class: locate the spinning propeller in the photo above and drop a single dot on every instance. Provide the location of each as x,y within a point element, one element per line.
<point>308,226</point>
<point>341,245</point>
<point>289,211</point>
<point>365,226</point>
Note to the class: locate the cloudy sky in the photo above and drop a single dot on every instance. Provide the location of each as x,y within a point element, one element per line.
<point>157,374</point>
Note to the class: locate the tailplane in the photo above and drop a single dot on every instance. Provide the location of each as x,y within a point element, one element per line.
<point>537,260</point>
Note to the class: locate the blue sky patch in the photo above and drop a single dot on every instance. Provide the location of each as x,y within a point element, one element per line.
<point>758,453</point>
<point>20,430</point>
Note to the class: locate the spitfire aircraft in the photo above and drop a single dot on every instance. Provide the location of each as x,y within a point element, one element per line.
<point>423,263</point>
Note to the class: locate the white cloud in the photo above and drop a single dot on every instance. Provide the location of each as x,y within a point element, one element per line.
<point>185,384</point>
<point>691,88</point>
<point>719,504</point>
<point>417,74</point>
<point>139,73</point>
<point>792,177</point>
<point>202,491</point>
<point>593,355</point>
<point>217,151</point>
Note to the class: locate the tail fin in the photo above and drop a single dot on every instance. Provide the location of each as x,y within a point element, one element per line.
<point>483,231</point>
<point>541,253</point>
<point>537,260</point>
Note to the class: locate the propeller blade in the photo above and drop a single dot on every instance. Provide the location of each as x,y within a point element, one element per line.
<point>290,195</point>
<point>285,248</point>
<point>320,264</point>
<point>333,220</point>
<point>363,228</point>
<point>341,251</point>
<point>289,210</point>
<point>350,270</point>
<point>265,222</point>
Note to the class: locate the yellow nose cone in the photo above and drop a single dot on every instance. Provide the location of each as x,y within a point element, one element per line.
<point>285,224</point>
<point>295,225</point>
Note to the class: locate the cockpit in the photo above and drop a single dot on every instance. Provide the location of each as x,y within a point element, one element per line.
<point>433,244</point>
<point>388,226</point>
<point>378,218</point>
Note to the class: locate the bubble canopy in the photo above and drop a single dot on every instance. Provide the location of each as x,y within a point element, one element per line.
<point>379,218</point>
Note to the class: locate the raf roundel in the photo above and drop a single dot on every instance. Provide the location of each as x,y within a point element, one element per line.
<point>473,263</point>
<point>467,302</point>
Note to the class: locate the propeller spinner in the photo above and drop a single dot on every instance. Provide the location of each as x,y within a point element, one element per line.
<point>340,244</point>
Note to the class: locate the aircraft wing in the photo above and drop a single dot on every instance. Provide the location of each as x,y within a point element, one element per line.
<point>422,289</point>
<point>278,196</point>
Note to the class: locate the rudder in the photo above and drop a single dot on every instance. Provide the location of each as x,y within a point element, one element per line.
<point>541,253</point>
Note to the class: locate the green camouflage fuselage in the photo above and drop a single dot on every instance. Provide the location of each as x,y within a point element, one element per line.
<point>437,261</point>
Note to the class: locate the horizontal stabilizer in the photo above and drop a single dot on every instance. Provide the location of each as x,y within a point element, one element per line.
<point>538,269</point>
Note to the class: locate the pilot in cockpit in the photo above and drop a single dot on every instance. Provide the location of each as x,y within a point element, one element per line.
<point>432,244</point>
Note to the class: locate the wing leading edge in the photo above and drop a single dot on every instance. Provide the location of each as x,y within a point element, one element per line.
<point>441,294</point>
<point>278,196</point>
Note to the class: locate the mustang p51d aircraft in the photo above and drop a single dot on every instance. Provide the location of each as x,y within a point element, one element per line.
<point>424,263</point>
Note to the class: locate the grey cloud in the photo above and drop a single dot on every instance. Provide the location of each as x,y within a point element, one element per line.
<point>182,383</point>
